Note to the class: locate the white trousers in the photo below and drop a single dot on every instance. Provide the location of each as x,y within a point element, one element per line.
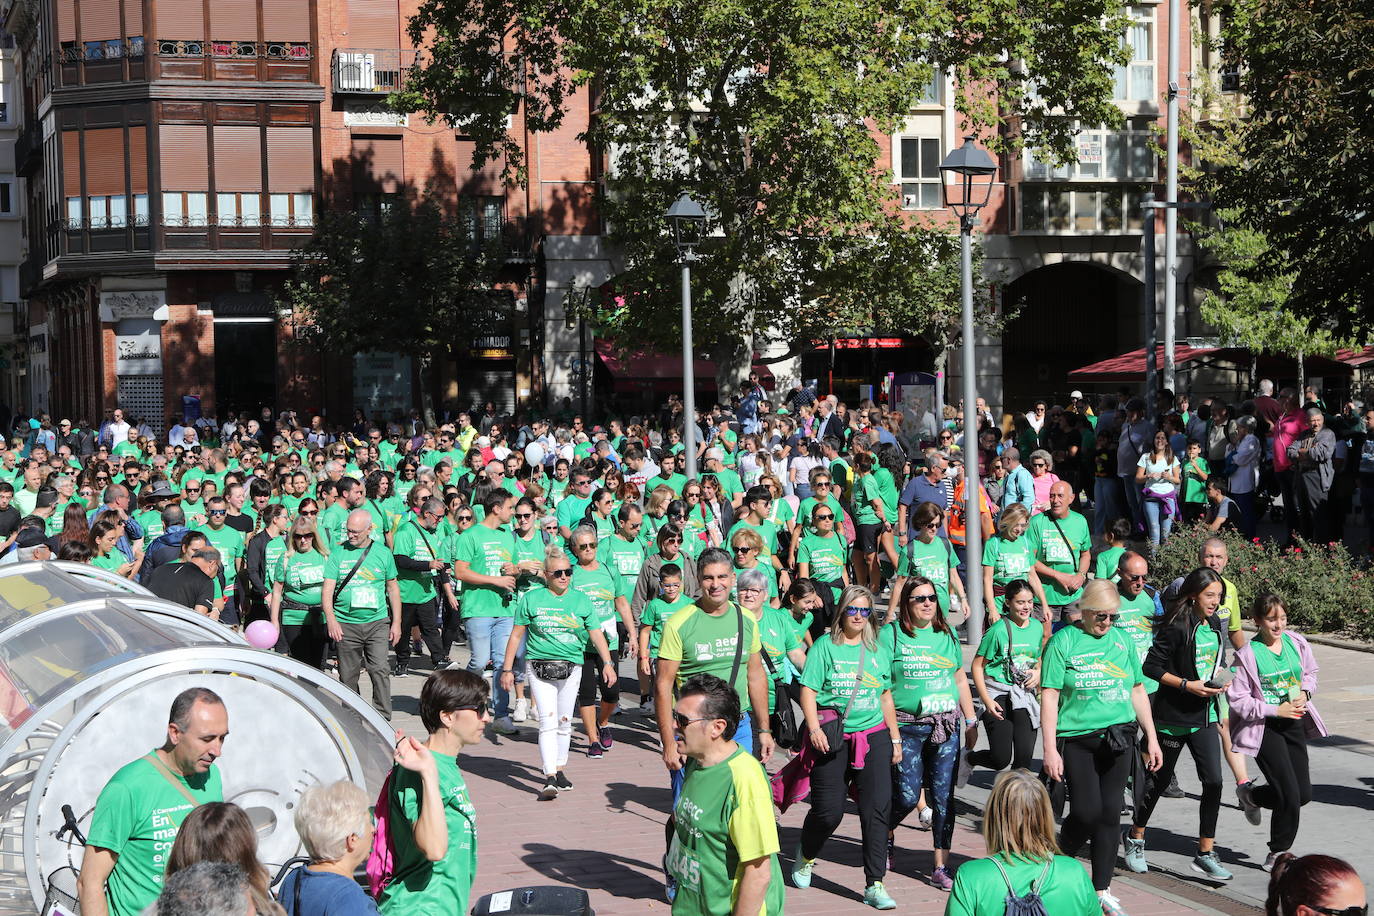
<point>555,701</point>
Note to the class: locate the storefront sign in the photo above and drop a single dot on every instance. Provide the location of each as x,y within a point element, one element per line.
<point>118,306</point>
<point>138,347</point>
<point>365,114</point>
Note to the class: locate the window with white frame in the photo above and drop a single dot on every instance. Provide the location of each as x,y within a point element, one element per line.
<point>1080,208</point>
<point>1123,155</point>
<point>108,211</point>
<point>75,213</point>
<point>918,172</point>
<point>239,209</point>
<point>1135,81</point>
<point>185,209</point>
<point>292,209</point>
<point>140,209</point>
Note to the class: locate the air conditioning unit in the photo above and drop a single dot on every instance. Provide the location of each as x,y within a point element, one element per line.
<point>355,72</point>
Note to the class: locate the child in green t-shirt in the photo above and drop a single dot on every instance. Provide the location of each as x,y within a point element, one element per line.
<point>1116,534</point>
<point>1195,473</point>
<point>656,612</point>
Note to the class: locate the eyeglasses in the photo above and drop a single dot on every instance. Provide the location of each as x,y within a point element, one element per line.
<point>920,599</point>
<point>828,517</point>
<point>1105,615</point>
<point>560,573</point>
<point>1134,578</point>
<point>748,590</point>
<point>857,610</point>
<point>681,721</point>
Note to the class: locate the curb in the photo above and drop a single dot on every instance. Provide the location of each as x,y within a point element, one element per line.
<point>1322,639</point>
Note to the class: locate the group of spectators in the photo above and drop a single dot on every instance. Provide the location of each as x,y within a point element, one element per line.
<point>813,572</point>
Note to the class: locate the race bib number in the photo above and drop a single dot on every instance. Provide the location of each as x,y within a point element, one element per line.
<point>1056,551</point>
<point>309,575</point>
<point>366,595</point>
<point>685,866</point>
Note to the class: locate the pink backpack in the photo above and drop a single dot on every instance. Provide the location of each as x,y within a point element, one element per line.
<point>381,862</point>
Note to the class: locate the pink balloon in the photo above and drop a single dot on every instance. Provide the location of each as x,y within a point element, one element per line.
<point>262,634</point>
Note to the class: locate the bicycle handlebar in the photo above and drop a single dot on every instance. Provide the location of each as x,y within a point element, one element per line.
<point>69,825</point>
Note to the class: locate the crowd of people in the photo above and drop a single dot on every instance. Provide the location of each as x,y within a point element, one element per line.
<point>799,599</point>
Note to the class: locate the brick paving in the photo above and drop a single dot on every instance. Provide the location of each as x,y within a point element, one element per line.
<point>606,836</point>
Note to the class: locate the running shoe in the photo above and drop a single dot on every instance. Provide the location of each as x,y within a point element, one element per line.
<point>1269,861</point>
<point>504,726</point>
<point>801,869</point>
<point>594,749</point>
<point>417,647</point>
<point>1208,864</point>
<point>941,878</point>
<point>1134,854</point>
<point>926,816</point>
<point>605,733</point>
<point>1172,790</point>
<point>521,711</point>
<point>400,669</point>
<point>564,783</point>
<point>550,790</point>
<point>1245,791</point>
<point>965,769</point>
<point>1110,905</point>
<point>876,896</point>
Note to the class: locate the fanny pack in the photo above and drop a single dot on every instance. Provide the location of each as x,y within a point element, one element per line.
<point>551,669</point>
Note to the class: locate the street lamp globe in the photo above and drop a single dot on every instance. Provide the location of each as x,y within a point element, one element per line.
<point>968,177</point>
<point>688,219</point>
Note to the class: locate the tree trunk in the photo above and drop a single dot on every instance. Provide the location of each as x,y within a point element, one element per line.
<point>1302,378</point>
<point>1254,373</point>
<point>941,362</point>
<point>426,404</point>
<point>732,358</point>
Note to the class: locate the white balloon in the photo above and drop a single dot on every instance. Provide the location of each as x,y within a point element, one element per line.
<point>534,454</point>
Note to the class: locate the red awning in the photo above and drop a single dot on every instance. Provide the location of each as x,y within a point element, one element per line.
<point>1130,367</point>
<point>1356,358</point>
<point>642,370</point>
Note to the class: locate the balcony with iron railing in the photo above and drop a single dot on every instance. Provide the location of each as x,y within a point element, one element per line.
<point>370,71</point>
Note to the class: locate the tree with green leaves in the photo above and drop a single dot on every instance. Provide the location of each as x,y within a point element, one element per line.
<point>416,279</point>
<point>771,114</point>
<point>1306,153</point>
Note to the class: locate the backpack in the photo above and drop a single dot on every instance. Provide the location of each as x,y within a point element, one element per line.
<point>1029,905</point>
<point>381,862</point>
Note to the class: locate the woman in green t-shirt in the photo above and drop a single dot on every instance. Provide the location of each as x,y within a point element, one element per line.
<point>934,709</point>
<point>821,558</point>
<point>746,547</point>
<point>1018,829</point>
<point>295,603</point>
<point>105,554</point>
<point>848,674</point>
<point>1006,673</point>
<point>433,822</point>
<point>1187,653</point>
<point>803,601</point>
<point>1092,694</point>
<point>928,555</point>
<point>870,522</point>
<point>557,622</point>
<point>1009,555</point>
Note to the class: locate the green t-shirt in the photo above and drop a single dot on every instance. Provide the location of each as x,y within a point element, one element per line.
<point>777,636</point>
<point>1095,676</point>
<point>602,586</point>
<point>824,556</point>
<point>723,818</point>
<point>1206,648</point>
<point>767,531</point>
<point>111,561</point>
<point>571,510</point>
<point>230,544</point>
<point>807,506</point>
<point>674,482</point>
<point>933,561</point>
<point>923,668</point>
<point>703,643</point>
<point>330,523</point>
<point>486,550</point>
<point>557,626</point>
<point>364,600</point>
<point>1195,482</point>
<point>419,885</point>
<point>655,614</point>
<point>626,556</point>
<point>531,548</point>
<point>302,578</point>
<point>1023,653</point>
<point>272,552</point>
<point>1010,560</point>
<point>416,586</point>
<point>865,491</point>
<point>151,520</point>
<point>1106,563</point>
<point>1059,552</point>
<point>831,670</point>
<point>979,889</point>
<point>1137,621</point>
<point>729,481</point>
<point>137,817</point>
<point>887,490</point>
<point>1280,674</point>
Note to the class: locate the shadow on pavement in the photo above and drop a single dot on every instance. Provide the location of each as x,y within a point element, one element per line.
<point>595,869</point>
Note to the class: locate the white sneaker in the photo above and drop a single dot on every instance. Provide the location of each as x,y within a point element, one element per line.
<point>521,711</point>
<point>926,817</point>
<point>504,726</point>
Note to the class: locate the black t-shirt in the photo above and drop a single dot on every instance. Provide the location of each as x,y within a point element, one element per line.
<point>184,584</point>
<point>243,524</point>
<point>9,521</point>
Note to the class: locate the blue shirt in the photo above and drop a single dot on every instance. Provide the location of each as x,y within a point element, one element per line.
<point>324,894</point>
<point>919,490</point>
<point>1019,488</point>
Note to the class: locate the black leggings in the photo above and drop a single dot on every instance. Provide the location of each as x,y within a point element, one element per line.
<point>1097,780</point>
<point>306,642</point>
<point>1283,761</point>
<point>1205,746</point>
<point>425,615</point>
<point>592,681</point>
<point>1011,739</point>
<point>829,788</point>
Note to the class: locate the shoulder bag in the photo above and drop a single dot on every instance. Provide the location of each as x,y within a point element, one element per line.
<point>783,720</point>
<point>832,720</point>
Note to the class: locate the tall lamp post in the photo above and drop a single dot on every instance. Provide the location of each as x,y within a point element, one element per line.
<point>968,177</point>
<point>688,220</point>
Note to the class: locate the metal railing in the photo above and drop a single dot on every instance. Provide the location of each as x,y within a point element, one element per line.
<point>370,71</point>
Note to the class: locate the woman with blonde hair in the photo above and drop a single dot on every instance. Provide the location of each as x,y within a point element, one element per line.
<point>1018,829</point>
<point>336,825</point>
<point>296,602</point>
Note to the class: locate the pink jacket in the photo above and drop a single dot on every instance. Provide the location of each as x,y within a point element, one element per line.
<point>1248,709</point>
<point>1287,430</point>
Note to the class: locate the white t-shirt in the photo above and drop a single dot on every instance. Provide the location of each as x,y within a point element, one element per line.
<point>1162,487</point>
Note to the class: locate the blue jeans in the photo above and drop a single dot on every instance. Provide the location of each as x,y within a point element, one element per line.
<point>1106,502</point>
<point>1158,520</point>
<point>744,737</point>
<point>1133,501</point>
<point>487,638</point>
<point>925,763</point>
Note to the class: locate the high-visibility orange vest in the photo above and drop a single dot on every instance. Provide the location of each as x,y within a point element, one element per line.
<point>956,515</point>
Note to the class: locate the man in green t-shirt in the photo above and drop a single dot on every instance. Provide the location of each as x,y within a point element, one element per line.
<point>1063,546</point>
<point>141,808</point>
<point>485,563</point>
<point>230,545</point>
<point>723,857</point>
<point>705,638</point>
<point>331,521</point>
<point>362,607</point>
<point>416,549</point>
<point>731,487</point>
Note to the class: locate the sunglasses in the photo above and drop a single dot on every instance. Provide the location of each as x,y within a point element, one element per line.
<point>482,711</point>
<point>524,515</point>
<point>820,484</point>
<point>304,537</point>
<point>560,573</point>
<point>855,610</point>
<point>921,599</point>
<point>218,512</point>
<point>1134,578</point>
<point>672,540</point>
<point>584,547</point>
<point>828,517</point>
<point>1348,911</point>
<point>1106,616</point>
<point>464,517</point>
<point>309,513</point>
<point>682,721</point>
